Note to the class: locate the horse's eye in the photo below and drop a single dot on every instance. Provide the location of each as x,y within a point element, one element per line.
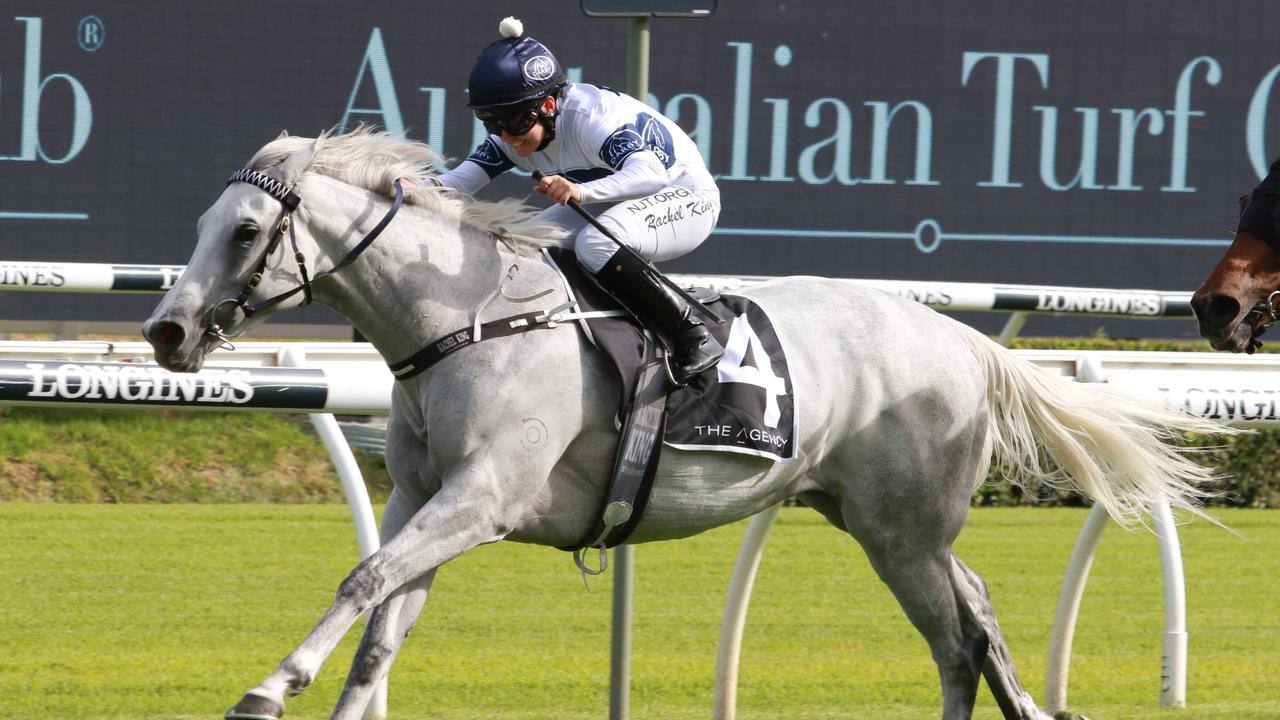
<point>245,234</point>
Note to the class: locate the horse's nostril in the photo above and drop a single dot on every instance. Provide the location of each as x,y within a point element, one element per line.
<point>165,335</point>
<point>1221,307</point>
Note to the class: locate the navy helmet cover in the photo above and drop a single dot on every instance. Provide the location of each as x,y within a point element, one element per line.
<point>510,72</point>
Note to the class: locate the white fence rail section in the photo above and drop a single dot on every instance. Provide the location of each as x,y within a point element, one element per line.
<point>324,378</point>
<point>105,277</point>
<point>345,378</point>
<point>1019,300</point>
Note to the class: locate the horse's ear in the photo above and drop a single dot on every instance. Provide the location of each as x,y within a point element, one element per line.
<point>292,168</point>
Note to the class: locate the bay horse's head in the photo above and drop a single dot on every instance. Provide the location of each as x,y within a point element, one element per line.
<point>1241,297</point>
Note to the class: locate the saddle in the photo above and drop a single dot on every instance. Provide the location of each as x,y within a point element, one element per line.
<point>743,405</point>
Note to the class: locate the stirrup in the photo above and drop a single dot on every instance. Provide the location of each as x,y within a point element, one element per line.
<point>671,374</point>
<point>580,559</point>
<point>713,358</point>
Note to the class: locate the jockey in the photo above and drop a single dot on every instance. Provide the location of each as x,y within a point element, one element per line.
<point>597,145</point>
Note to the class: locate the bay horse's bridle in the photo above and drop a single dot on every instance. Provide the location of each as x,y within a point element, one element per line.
<point>289,200</point>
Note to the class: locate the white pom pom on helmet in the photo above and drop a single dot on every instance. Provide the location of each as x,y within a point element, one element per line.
<point>510,27</point>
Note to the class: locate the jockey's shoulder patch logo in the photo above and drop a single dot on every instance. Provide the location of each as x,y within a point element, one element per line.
<point>646,133</point>
<point>489,157</point>
<point>487,153</point>
<point>621,144</point>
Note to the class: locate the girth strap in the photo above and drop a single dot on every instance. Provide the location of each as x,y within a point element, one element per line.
<point>635,464</point>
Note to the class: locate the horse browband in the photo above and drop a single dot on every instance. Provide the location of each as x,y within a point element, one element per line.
<point>270,185</point>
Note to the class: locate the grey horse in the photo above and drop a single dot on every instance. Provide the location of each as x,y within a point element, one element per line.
<point>900,409</point>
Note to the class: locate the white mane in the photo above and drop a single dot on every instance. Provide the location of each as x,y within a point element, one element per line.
<point>372,160</point>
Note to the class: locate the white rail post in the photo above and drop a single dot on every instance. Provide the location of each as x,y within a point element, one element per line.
<point>1012,327</point>
<point>344,461</point>
<point>1173,664</point>
<point>624,556</point>
<point>1064,619</point>
<point>729,649</point>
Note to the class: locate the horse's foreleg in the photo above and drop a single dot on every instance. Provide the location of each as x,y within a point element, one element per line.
<point>363,588</point>
<point>1015,703</point>
<point>388,626</point>
<point>468,511</point>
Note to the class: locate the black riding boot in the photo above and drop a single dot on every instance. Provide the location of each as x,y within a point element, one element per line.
<point>663,311</point>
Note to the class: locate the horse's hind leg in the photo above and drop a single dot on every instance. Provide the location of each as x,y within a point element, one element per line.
<point>1015,703</point>
<point>924,587</point>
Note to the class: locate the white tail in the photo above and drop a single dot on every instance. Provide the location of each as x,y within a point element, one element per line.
<point>1118,450</point>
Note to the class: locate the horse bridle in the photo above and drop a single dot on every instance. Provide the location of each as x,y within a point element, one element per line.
<point>289,200</point>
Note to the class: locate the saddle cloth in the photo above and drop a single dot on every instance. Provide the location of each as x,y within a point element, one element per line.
<point>745,404</point>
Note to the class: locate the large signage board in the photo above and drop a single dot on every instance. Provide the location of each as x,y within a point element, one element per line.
<point>1092,145</point>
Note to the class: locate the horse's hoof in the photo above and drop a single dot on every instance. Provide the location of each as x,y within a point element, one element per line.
<point>1064,715</point>
<point>255,707</point>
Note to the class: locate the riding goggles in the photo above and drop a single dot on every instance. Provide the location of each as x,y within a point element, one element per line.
<point>516,124</point>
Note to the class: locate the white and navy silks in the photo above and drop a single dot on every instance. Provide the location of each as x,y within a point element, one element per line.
<point>664,201</point>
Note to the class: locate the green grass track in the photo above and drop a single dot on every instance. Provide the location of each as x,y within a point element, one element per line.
<point>148,611</point>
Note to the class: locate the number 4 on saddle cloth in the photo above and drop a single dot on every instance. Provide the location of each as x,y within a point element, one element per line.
<point>744,404</point>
